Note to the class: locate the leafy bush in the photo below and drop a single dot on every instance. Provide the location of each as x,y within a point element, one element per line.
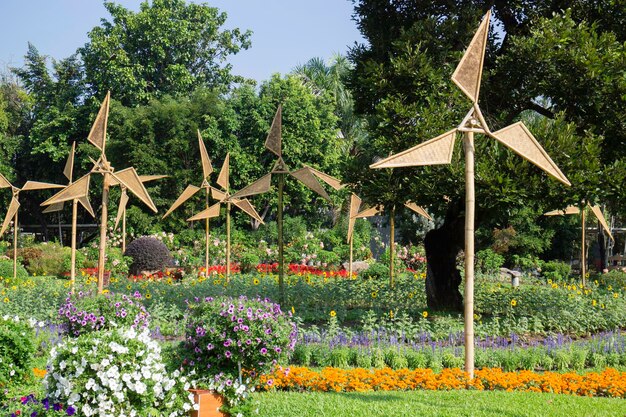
<point>85,313</point>
<point>6,270</point>
<point>16,352</point>
<point>556,270</point>
<point>378,271</point>
<point>49,260</point>
<point>488,261</point>
<point>116,372</point>
<point>148,254</point>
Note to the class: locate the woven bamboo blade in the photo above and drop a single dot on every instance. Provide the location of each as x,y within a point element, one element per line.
<point>246,206</point>
<point>68,171</point>
<point>372,211</point>
<point>98,133</point>
<point>518,138</point>
<point>121,208</point>
<point>10,213</point>
<point>148,178</point>
<point>207,168</point>
<point>274,138</point>
<point>262,185</point>
<point>4,183</point>
<point>468,73</point>
<point>186,195</point>
<point>330,180</point>
<point>306,177</point>
<point>74,191</point>
<point>128,177</point>
<point>432,152</point>
<point>598,212</point>
<point>218,195</point>
<point>84,201</point>
<point>568,210</point>
<point>208,213</point>
<point>36,185</point>
<point>54,208</point>
<point>222,179</point>
<point>419,210</point>
<point>355,204</point>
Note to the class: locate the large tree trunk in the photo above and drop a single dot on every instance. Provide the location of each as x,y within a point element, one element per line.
<point>602,246</point>
<point>442,247</point>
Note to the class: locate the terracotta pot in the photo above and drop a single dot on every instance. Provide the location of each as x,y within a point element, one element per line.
<point>209,403</point>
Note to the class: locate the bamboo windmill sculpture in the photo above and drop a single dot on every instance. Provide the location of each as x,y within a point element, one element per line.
<point>578,210</point>
<point>14,208</point>
<point>306,175</point>
<point>207,170</point>
<point>355,205</point>
<point>121,208</point>
<point>224,197</point>
<point>517,137</point>
<point>84,201</point>
<point>80,189</point>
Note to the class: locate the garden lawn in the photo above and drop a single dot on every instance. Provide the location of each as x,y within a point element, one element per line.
<point>435,403</point>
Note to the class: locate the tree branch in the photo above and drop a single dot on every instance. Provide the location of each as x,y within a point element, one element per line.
<point>531,105</point>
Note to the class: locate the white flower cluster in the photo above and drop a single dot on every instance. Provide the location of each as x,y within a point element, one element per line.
<point>115,373</point>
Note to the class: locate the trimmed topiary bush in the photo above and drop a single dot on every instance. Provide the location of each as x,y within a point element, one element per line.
<point>149,254</point>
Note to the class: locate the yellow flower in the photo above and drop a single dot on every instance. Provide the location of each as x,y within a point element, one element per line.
<point>105,291</point>
<point>128,287</point>
<point>615,295</point>
<point>374,294</point>
<point>148,295</point>
<point>555,286</point>
<point>609,287</point>
<point>293,310</point>
<point>6,299</point>
<point>424,314</point>
<point>390,313</point>
<point>594,303</point>
<point>602,305</point>
<point>476,317</point>
<point>411,295</point>
<point>513,302</point>
<point>255,281</point>
<point>333,313</point>
<point>595,281</point>
<point>549,281</point>
<point>415,276</point>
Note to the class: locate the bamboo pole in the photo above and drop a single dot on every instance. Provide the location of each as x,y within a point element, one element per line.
<point>392,242</point>
<point>15,229</point>
<point>124,232</point>
<point>350,263</point>
<point>103,230</point>
<point>206,239</point>
<point>228,241</point>
<point>73,256</point>
<point>281,258</point>
<point>583,261</point>
<point>469,254</point>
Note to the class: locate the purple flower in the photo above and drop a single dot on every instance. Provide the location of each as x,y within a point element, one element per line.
<point>228,354</point>
<point>70,411</point>
<point>228,343</point>
<point>56,407</point>
<point>270,382</point>
<point>263,351</point>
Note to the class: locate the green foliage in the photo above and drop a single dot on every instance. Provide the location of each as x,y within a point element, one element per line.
<point>16,352</point>
<point>148,254</point>
<point>378,271</point>
<point>556,271</point>
<point>6,270</point>
<point>47,259</point>
<point>489,261</point>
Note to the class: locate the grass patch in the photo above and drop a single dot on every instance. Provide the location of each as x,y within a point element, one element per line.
<point>435,403</point>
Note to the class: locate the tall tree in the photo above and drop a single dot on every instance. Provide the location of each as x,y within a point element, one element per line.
<point>168,47</point>
<point>402,82</point>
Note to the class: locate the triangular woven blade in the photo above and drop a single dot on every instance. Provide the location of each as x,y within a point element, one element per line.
<point>274,138</point>
<point>306,177</point>
<point>207,168</point>
<point>218,195</point>
<point>598,212</point>
<point>186,195</point>
<point>435,151</point>
<point>330,180</point>
<point>222,179</point>
<point>568,210</point>
<point>10,213</point>
<point>97,135</point>
<point>355,204</point>
<point>468,73</point>
<point>121,208</point>
<point>246,206</point>
<point>54,208</point>
<point>211,212</point>
<point>36,185</point>
<point>84,201</point>
<point>128,177</point>
<point>419,210</point>
<point>372,211</point>
<point>262,185</point>
<point>69,164</point>
<point>74,191</point>
<point>519,139</point>
<point>4,183</point>
<point>148,178</point>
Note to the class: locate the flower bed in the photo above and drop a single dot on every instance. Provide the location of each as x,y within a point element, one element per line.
<point>608,383</point>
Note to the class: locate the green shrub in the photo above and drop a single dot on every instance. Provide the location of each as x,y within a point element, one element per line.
<point>416,359</point>
<point>16,352</point>
<point>556,271</point>
<point>248,261</point>
<point>340,357</point>
<point>378,271</point>
<point>378,359</point>
<point>487,261</point>
<point>450,360</point>
<point>6,270</point>
<point>302,355</point>
<point>49,261</point>
<point>363,359</point>
<point>148,254</point>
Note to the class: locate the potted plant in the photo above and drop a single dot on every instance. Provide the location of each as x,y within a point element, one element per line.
<point>230,342</point>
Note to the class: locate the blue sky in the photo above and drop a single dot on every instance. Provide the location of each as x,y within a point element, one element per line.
<point>285,32</point>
